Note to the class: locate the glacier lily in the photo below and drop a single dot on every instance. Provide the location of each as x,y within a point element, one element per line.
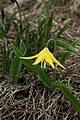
<point>45,56</point>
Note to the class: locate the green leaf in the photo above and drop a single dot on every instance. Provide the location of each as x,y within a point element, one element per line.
<point>27,34</point>
<point>11,18</point>
<point>16,51</point>
<point>71,98</point>
<point>65,45</point>
<point>22,48</point>
<point>15,69</point>
<point>66,54</point>
<point>44,29</point>
<point>4,59</point>
<point>77,81</point>
<point>58,84</point>
<point>62,30</point>
<point>16,65</point>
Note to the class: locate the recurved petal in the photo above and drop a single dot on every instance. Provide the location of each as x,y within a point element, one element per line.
<point>56,61</point>
<point>49,61</point>
<point>32,57</point>
<point>50,54</point>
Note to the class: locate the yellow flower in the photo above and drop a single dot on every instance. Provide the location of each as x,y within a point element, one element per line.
<point>44,56</point>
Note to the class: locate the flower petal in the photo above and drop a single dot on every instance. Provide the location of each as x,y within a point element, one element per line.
<point>54,59</point>
<point>30,57</point>
<point>39,59</point>
<point>58,63</point>
<point>42,51</point>
<point>44,56</point>
<point>49,61</point>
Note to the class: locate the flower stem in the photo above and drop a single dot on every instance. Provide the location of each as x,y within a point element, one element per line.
<point>48,42</point>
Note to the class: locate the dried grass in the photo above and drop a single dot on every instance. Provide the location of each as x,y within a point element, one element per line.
<point>33,101</point>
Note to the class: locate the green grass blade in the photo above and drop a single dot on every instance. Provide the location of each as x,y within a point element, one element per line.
<point>4,59</point>
<point>22,48</point>
<point>11,18</point>
<point>27,35</point>
<point>62,30</point>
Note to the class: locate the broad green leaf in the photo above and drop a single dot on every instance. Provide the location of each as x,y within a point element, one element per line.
<point>15,69</point>
<point>16,65</point>
<point>71,98</point>
<point>16,51</point>
<point>66,54</point>
<point>65,45</point>
<point>58,84</point>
